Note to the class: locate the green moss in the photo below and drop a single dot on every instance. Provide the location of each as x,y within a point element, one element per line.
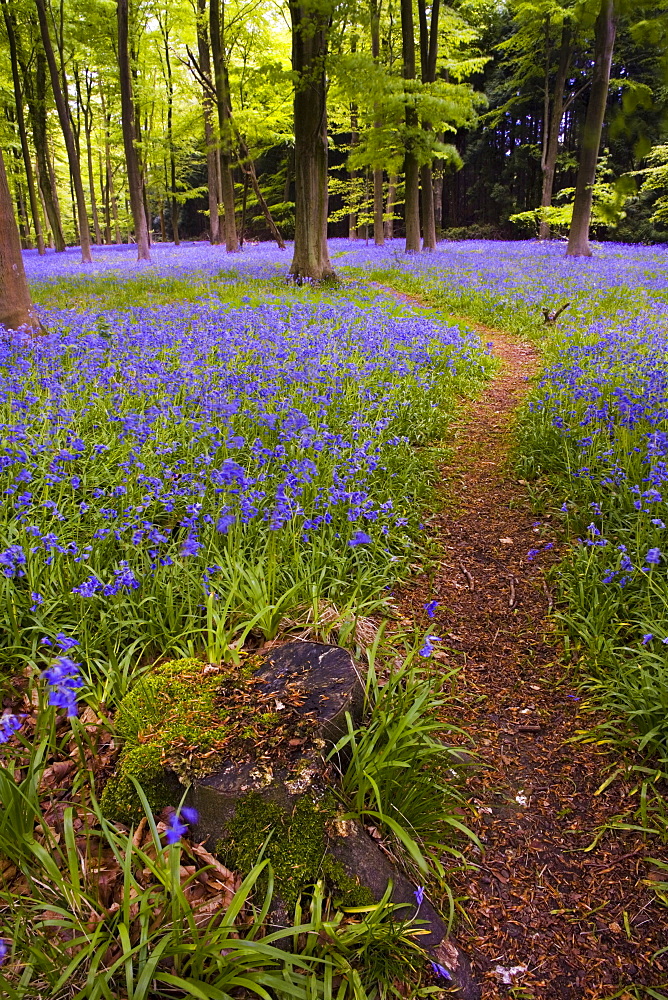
<point>170,719</point>
<point>295,846</point>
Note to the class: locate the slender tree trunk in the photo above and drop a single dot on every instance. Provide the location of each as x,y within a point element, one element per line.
<point>37,108</point>
<point>104,196</point>
<point>606,25</point>
<point>378,229</point>
<point>428,54</point>
<point>111,194</point>
<point>391,202</point>
<point>244,201</point>
<point>250,174</point>
<point>438,202</point>
<point>174,205</point>
<point>16,309</point>
<point>127,118</point>
<point>411,169</point>
<point>354,141</point>
<point>20,119</point>
<point>212,153</point>
<point>222,101</point>
<point>552,127</point>
<point>68,134</point>
<point>310,30</point>
<point>88,131</point>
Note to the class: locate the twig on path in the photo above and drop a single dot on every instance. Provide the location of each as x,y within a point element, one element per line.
<point>513,598</point>
<point>469,578</point>
<point>550,602</point>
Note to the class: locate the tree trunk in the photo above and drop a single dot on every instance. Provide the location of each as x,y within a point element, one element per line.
<point>111,194</point>
<point>578,237</point>
<point>37,108</point>
<point>552,127</point>
<point>378,230</point>
<point>250,174</point>
<point>411,169</point>
<point>68,134</point>
<point>212,154</point>
<point>88,129</point>
<point>174,205</point>
<point>391,202</point>
<point>310,29</point>
<point>20,120</point>
<point>352,187</point>
<point>16,309</point>
<point>222,101</point>
<point>127,120</point>
<point>428,54</point>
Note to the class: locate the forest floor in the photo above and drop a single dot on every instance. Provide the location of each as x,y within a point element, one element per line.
<point>547,915</point>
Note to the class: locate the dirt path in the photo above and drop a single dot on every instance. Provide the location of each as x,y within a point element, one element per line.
<point>548,918</point>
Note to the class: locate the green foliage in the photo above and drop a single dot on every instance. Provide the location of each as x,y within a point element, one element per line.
<point>295,845</point>
<point>397,768</point>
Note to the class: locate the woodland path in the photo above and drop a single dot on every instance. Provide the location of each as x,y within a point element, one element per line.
<point>547,918</point>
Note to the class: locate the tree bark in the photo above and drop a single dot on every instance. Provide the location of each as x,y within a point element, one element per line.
<point>88,130</point>
<point>378,229</point>
<point>127,119</point>
<point>223,104</point>
<point>16,310</point>
<point>20,120</point>
<point>552,127</point>
<point>310,30</point>
<point>428,55</point>
<point>606,24</point>
<point>411,169</point>
<point>68,134</point>
<point>388,225</point>
<point>174,205</point>
<point>212,154</point>
<point>37,107</point>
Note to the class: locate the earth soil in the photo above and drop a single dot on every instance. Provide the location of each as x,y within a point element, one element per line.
<point>556,907</point>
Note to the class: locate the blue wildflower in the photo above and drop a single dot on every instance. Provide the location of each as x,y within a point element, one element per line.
<point>430,608</point>
<point>176,828</point>
<point>64,678</point>
<point>440,970</point>
<point>427,649</point>
<point>9,724</point>
<point>653,557</point>
<point>360,538</point>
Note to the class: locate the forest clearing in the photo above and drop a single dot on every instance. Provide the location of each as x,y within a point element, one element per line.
<point>333,444</point>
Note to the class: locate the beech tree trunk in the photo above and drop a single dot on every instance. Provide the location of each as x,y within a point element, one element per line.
<point>388,225</point>
<point>428,54</point>
<point>553,127</point>
<point>378,228</point>
<point>88,130</point>
<point>20,120</point>
<point>16,309</point>
<point>212,153</point>
<point>310,30</point>
<point>68,134</point>
<point>37,108</point>
<point>411,168</point>
<point>127,119</point>
<point>223,103</point>
<point>606,24</point>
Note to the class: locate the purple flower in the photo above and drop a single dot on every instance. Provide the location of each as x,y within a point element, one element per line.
<point>4,949</point>
<point>360,538</point>
<point>440,970</point>
<point>64,678</point>
<point>12,561</point>
<point>531,553</point>
<point>427,649</point>
<point>657,522</point>
<point>66,642</point>
<point>176,828</point>
<point>430,608</point>
<point>419,895</point>
<point>647,638</point>
<point>653,556</point>
<point>9,724</point>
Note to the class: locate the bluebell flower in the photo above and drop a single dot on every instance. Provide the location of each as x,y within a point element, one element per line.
<point>430,608</point>
<point>4,950</point>
<point>653,556</point>
<point>360,538</point>
<point>419,895</point>
<point>12,561</point>
<point>440,970</point>
<point>9,724</point>
<point>64,680</point>
<point>427,649</point>
<point>647,638</point>
<point>176,828</point>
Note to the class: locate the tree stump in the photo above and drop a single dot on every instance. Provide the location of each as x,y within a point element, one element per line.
<point>323,684</point>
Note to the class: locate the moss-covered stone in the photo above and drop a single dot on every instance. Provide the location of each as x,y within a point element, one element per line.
<point>296,845</point>
<point>172,719</point>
